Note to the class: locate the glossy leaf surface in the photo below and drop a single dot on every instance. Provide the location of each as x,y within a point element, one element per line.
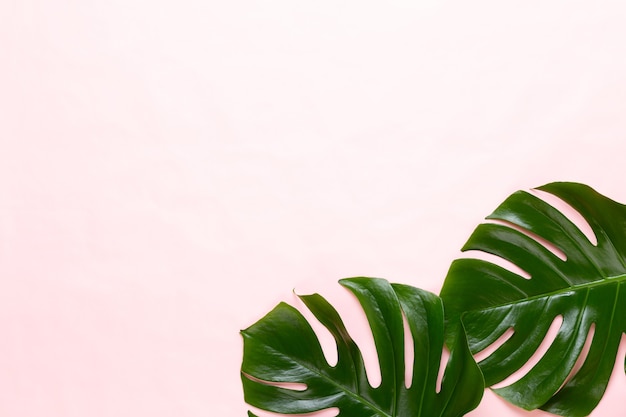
<point>282,348</point>
<point>587,290</point>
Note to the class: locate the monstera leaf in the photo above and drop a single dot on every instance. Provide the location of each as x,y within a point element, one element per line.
<point>586,290</point>
<point>282,348</point>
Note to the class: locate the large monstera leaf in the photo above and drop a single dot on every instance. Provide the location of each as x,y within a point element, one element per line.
<point>587,289</point>
<point>282,348</point>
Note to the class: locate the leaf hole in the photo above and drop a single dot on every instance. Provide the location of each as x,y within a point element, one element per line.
<point>409,353</point>
<point>583,354</point>
<point>294,386</point>
<point>486,352</point>
<point>364,339</point>
<point>355,321</point>
<point>536,357</point>
<point>494,259</point>
<point>543,242</point>
<point>324,336</point>
<point>621,355</point>
<point>443,362</point>
<point>570,212</point>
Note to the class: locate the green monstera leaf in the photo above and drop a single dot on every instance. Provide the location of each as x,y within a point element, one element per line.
<point>587,290</point>
<point>282,348</point>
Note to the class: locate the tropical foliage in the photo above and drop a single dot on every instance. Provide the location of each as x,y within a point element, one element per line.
<point>586,289</point>
<point>559,276</point>
<point>282,348</point>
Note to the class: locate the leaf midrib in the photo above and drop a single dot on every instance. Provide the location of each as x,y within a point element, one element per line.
<point>572,288</point>
<point>333,382</point>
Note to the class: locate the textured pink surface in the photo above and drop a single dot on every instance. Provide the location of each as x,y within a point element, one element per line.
<point>170,170</point>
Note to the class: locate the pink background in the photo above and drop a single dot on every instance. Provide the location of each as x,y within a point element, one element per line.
<point>169,170</point>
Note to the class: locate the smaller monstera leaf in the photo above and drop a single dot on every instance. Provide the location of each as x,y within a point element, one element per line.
<point>282,348</point>
<point>586,289</point>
